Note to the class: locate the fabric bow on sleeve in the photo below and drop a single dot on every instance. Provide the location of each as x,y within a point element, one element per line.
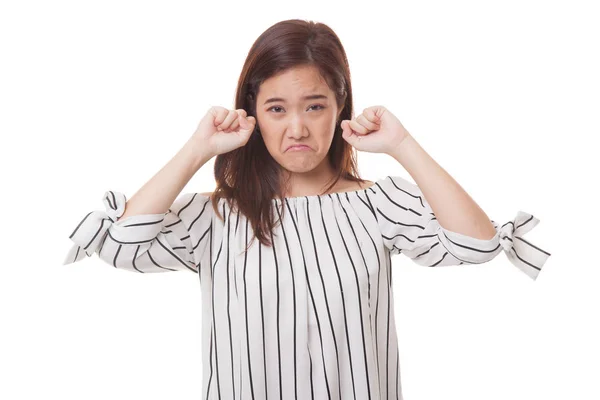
<point>509,237</point>
<point>524,255</point>
<point>91,231</point>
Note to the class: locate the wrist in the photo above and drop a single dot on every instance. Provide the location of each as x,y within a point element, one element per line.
<point>196,153</point>
<point>402,149</point>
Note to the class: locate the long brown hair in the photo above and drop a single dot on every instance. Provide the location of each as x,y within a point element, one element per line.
<point>249,177</point>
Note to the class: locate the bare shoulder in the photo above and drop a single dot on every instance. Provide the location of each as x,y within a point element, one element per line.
<point>208,194</point>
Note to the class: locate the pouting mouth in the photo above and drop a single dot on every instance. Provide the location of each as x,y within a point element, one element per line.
<point>298,145</point>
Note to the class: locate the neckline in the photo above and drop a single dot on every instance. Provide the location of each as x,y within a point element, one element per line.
<point>298,198</point>
<point>315,196</point>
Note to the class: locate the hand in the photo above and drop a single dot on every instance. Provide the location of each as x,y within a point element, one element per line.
<point>222,130</point>
<point>376,130</point>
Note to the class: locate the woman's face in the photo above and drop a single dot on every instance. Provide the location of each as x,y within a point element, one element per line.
<point>286,118</point>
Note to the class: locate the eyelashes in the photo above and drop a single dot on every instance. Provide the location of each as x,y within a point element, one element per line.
<point>314,105</point>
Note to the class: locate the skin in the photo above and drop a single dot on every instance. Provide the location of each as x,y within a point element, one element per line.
<point>295,120</point>
<point>375,130</point>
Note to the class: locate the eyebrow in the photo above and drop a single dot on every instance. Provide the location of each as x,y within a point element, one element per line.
<point>309,97</point>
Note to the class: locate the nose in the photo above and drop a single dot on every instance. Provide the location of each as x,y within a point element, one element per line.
<point>296,128</point>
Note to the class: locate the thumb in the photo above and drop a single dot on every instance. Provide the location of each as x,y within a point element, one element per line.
<point>347,133</point>
<point>247,122</point>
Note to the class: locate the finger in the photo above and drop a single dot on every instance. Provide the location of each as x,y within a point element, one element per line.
<point>250,121</point>
<point>244,121</point>
<point>231,116</point>
<point>221,115</point>
<point>237,122</point>
<point>344,126</point>
<point>348,134</point>
<point>371,115</point>
<point>234,125</point>
<point>347,129</point>
<point>364,121</point>
<point>358,128</point>
<point>247,124</point>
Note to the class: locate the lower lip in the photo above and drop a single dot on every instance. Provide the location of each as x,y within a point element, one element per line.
<point>299,148</point>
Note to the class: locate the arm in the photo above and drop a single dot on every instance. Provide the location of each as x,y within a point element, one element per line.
<point>454,209</point>
<point>157,195</point>
<point>158,232</point>
<point>452,230</point>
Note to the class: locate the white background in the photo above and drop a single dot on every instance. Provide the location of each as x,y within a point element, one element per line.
<point>98,96</point>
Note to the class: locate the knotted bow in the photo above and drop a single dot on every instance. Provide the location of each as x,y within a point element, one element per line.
<point>91,231</point>
<point>524,255</point>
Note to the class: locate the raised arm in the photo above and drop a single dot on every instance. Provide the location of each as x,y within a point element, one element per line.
<point>155,231</point>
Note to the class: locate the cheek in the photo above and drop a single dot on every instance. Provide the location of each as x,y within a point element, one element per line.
<point>270,140</point>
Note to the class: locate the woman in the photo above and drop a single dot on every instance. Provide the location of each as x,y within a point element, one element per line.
<point>293,249</point>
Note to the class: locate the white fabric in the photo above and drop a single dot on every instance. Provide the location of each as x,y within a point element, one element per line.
<point>313,316</point>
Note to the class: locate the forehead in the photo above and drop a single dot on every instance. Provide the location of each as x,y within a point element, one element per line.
<point>295,83</point>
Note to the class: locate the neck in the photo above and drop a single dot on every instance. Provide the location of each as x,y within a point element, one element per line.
<point>308,183</point>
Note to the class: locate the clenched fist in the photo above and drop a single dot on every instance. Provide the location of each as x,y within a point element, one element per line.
<point>223,130</point>
<point>376,130</point>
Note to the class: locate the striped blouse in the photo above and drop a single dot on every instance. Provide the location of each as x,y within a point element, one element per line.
<point>313,316</point>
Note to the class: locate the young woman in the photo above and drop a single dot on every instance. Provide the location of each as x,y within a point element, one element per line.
<point>292,249</point>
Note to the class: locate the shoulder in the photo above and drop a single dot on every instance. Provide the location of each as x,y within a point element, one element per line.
<point>207,194</point>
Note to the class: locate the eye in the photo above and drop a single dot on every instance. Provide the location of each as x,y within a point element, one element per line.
<point>314,105</point>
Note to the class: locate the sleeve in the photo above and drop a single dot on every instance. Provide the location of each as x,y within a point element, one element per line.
<point>409,226</point>
<point>173,241</point>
